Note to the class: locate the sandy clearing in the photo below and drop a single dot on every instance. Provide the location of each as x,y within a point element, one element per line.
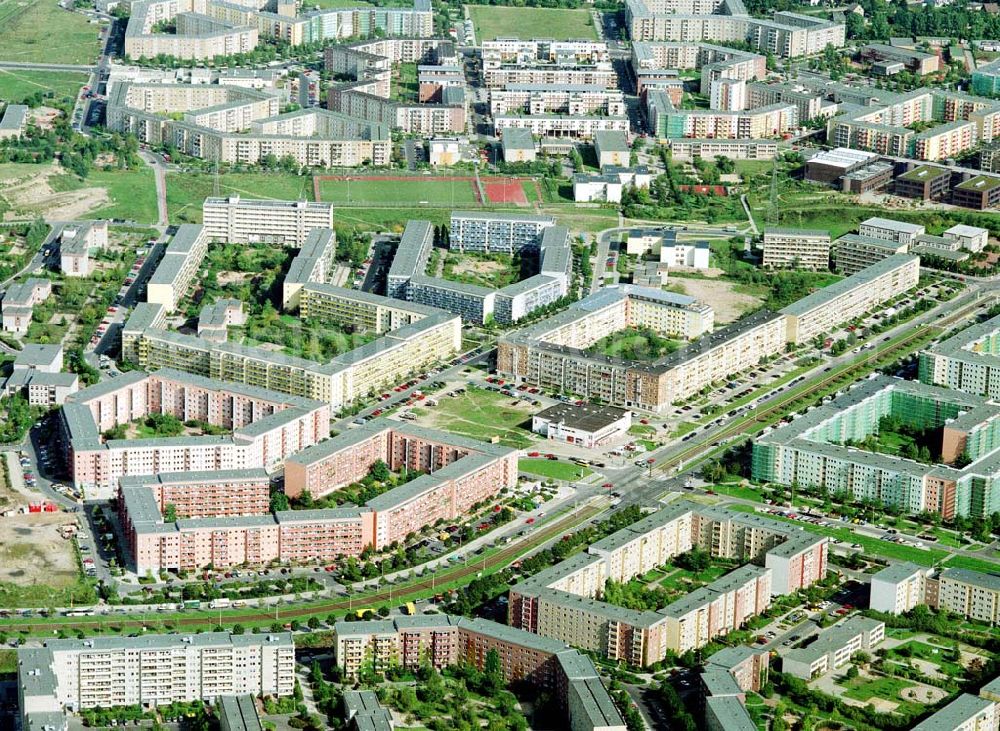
<point>33,551</point>
<point>32,195</point>
<point>728,305</point>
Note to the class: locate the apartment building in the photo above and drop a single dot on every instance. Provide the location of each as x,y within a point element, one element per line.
<point>898,588</point>
<point>313,264</point>
<point>36,373</point>
<point>572,99</point>
<point>267,427</point>
<point>206,494</point>
<point>553,353</point>
<point>965,713</point>
<point>945,141</point>
<point>152,670</point>
<point>709,149</point>
<point>966,361</point>
<point>144,316</point>
<point>443,640</point>
<point>971,594</point>
<point>198,36</point>
<point>559,602</point>
<point>796,248</point>
<point>177,268</point>
<point>853,253</point>
<point>669,122</point>
<point>505,233</point>
<point>239,220</point>
<point>358,309</point>
<point>816,449</point>
<point>577,126</point>
<point>833,648</point>
<point>19,300</point>
<point>823,310</point>
<point>547,63</point>
<point>74,241</point>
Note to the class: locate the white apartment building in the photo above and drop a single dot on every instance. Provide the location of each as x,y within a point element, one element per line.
<point>178,266</point>
<point>796,248</point>
<point>491,231</point>
<point>70,675</point>
<point>887,229</point>
<point>246,220</point>
<point>972,238</point>
<point>899,588</point>
<point>834,648</point>
<point>968,593</point>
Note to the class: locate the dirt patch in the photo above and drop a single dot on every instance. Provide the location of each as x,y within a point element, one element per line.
<point>225,278</point>
<point>32,195</point>
<point>33,552</point>
<point>10,499</point>
<point>44,117</point>
<point>728,304</point>
<point>470,266</point>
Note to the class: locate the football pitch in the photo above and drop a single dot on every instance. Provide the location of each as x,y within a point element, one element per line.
<point>562,24</point>
<point>418,191</point>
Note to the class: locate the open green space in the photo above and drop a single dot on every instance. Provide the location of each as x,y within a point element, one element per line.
<point>418,191</point>
<point>187,191</point>
<point>553,469</point>
<point>41,31</point>
<point>945,658</point>
<point>738,491</point>
<point>482,269</point>
<point>131,193</point>
<point>519,22</point>
<point>973,564</point>
<point>405,87</point>
<point>863,689</point>
<point>484,415</point>
<point>16,85</point>
<point>635,344</point>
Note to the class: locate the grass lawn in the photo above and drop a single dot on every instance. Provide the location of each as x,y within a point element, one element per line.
<point>635,344</point>
<point>132,193</point>
<point>642,429</point>
<point>929,653</point>
<point>872,546</point>
<point>552,469</point>
<point>484,415</point>
<point>8,661</point>
<point>405,87</point>
<point>17,85</point>
<point>973,564</point>
<point>512,22</point>
<point>862,689</point>
<point>419,191</point>
<point>187,191</point>
<point>40,30</point>
<point>679,579</point>
<point>746,493</point>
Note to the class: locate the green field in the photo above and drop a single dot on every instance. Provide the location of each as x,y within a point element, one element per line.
<point>552,469</point>
<point>419,191</point>
<point>484,415</point>
<point>17,85</point>
<point>187,191</point>
<point>132,193</point>
<point>513,22</point>
<point>40,30</point>
<point>973,564</point>
<point>862,689</point>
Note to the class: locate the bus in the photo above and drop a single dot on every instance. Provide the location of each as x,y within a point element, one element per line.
<point>192,604</point>
<point>80,613</point>
<point>362,612</point>
<point>409,608</point>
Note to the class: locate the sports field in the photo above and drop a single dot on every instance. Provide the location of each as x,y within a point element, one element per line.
<point>187,191</point>
<point>494,21</point>
<point>17,85</point>
<point>386,191</point>
<point>40,30</point>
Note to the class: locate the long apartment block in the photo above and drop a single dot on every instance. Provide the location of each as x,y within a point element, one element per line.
<point>823,310</point>
<point>198,34</point>
<point>239,125</point>
<point>656,65</point>
<point>816,449</point>
<point>562,602</point>
<point>413,336</point>
<point>226,521</point>
<point>899,588</point>
<point>550,63</point>
<point>968,361</point>
<point>667,121</point>
<point>238,220</point>
<point>443,640</point>
<point>267,427</point>
<point>407,278</point>
<point>553,353</point>
<point>786,34</point>
<point>152,670</point>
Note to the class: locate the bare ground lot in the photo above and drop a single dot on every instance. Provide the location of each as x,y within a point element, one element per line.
<point>27,191</point>
<point>729,305</point>
<point>32,551</point>
<point>471,266</point>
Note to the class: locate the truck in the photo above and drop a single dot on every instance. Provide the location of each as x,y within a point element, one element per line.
<point>221,603</point>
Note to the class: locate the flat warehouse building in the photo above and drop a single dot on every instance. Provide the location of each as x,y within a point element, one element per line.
<point>586,425</point>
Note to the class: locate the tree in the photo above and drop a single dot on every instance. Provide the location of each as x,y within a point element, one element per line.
<point>696,560</point>
<point>852,672</point>
<point>170,513</point>
<point>492,672</point>
<point>313,623</point>
<point>380,471</point>
<point>238,629</point>
<point>279,502</point>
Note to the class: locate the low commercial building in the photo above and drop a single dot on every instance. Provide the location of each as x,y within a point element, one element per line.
<point>363,712</point>
<point>518,145</point>
<point>980,193</point>
<point>612,149</point>
<point>887,229</point>
<point>833,648</point>
<point>672,250</point>
<point>830,166</point>
<point>898,588</point>
<point>237,220</point>
<point>152,670</point>
<point>918,62</point>
<point>796,248</point>
<point>267,427</point>
<point>823,310</point>
<point>924,182</point>
<point>596,188</point>
<point>215,319</point>
<point>587,426</point>
<point>37,374</point>
<point>709,149</point>
<point>970,238</point>
<point>238,713</point>
<point>13,122</point>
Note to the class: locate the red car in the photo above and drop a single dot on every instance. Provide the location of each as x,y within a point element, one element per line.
<point>529,521</point>
<point>607,485</point>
